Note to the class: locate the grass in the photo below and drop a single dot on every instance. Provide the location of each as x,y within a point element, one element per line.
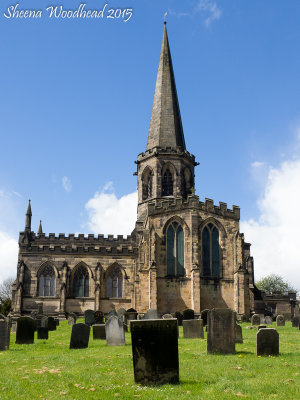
<point>49,370</point>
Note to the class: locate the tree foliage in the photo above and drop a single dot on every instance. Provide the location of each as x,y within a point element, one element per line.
<point>6,295</point>
<point>274,283</point>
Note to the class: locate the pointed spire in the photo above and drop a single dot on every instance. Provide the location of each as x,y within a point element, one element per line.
<point>40,231</point>
<point>165,125</point>
<point>28,218</point>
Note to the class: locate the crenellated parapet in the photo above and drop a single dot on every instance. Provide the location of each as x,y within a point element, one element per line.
<point>155,151</point>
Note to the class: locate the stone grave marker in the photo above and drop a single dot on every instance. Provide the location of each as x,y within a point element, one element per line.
<point>151,314</point>
<point>14,326</point>
<point>4,333</point>
<point>204,316</point>
<point>268,320</point>
<point>179,317</point>
<point>80,336</point>
<point>238,334</point>
<point>192,328</point>
<point>89,317</point>
<point>188,314</point>
<point>25,330</point>
<point>72,318</point>
<point>280,321</point>
<point>42,333</point>
<point>51,324</point>
<point>98,317</point>
<point>40,308</point>
<point>121,313</point>
<point>44,322</point>
<point>167,316</point>
<point>114,331</point>
<point>267,342</point>
<point>221,331</point>
<point>255,319</point>
<point>155,351</point>
<point>99,331</point>
<point>295,322</point>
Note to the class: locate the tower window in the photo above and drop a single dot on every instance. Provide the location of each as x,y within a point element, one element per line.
<point>47,282</point>
<point>147,185</point>
<point>167,183</point>
<point>115,283</point>
<point>175,250</point>
<point>210,251</point>
<point>81,282</point>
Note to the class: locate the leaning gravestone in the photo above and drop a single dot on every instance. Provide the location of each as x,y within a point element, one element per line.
<point>221,331</point>
<point>179,317</point>
<point>204,316</point>
<point>80,336</point>
<point>280,321</point>
<point>167,316</point>
<point>155,351</point>
<point>89,317</point>
<point>99,331</point>
<point>255,319</point>
<point>51,324</point>
<point>99,317</point>
<point>151,314</point>
<point>238,334</point>
<point>42,333</point>
<point>268,320</point>
<point>4,334</point>
<point>114,331</point>
<point>193,328</point>
<point>25,330</point>
<point>188,314</point>
<point>267,342</point>
<point>295,322</point>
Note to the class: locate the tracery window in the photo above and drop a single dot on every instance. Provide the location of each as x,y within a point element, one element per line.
<point>81,282</point>
<point>147,185</point>
<point>115,283</point>
<point>167,183</point>
<point>175,250</point>
<point>210,251</point>
<point>47,282</point>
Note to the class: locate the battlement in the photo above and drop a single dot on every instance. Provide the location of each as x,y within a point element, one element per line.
<point>163,151</point>
<point>81,237</point>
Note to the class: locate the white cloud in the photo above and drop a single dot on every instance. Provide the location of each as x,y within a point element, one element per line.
<point>110,215</point>
<point>210,9</point>
<point>66,184</point>
<point>274,236</point>
<point>257,164</point>
<point>8,256</point>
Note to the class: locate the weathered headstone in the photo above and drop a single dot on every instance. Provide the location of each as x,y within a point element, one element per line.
<point>89,317</point>
<point>267,342</point>
<point>295,322</point>
<point>155,351</point>
<point>42,333</point>
<point>193,328</point>
<point>204,316</point>
<point>114,330</point>
<point>280,321</point>
<point>40,308</point>
<point>255,319</point>
<point>14,326</point>
<point>188,314</point>
<point>221,331</point>
<point>99,317</point>
<point>72,319</point>
<point>167,316</point>
<point>25,330</point>
<point>238,334</point>
<point>51,324</point>
<point>99,331</point>
<point>268,320</point>
<point>44,322</point>
<point>130,315</point>
<point>179,317</point>
<point>80,336</point>
<point>121,313</point>
<point>4,334</point>
<point>151,314</point>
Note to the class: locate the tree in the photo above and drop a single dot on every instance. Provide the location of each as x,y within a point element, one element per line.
<point>274,283</point>
<point>6,295</point>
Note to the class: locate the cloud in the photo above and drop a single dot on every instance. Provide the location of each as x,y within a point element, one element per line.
<point>109,215</point>
<point>274,236</point>
<point>210,10</point>
<point>8,256</point>
<point>66,184</point>
<point>257,164</point>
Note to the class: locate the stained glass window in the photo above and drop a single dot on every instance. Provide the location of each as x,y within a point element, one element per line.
<point>167,184</point>
<point>47,282</point>
<point>175,250</point>
<point>210,251</point>
<point>115,283</point>
<point>81,282</point>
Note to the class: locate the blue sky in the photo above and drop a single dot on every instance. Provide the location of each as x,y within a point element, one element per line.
<point>75,106</point>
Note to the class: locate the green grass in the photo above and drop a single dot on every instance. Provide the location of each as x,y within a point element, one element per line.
<point>49,370</point>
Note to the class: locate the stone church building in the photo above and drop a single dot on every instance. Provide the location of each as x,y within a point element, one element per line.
<point>183,253</point>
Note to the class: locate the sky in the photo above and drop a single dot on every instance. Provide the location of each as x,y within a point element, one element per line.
<point>75,105</point>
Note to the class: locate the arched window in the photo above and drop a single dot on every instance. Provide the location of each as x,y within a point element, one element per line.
<point>175,250</point>
<point>147,185</point>
<point>26,281</point>
<point>81,282</point>
<point>167,183</point>
<point>47,282</point>
<point>210,251</point>
<point>115,283</point>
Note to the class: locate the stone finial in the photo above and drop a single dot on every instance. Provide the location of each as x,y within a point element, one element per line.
<point>40,230</point>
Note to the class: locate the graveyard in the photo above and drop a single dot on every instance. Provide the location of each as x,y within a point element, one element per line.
<point>49,369</point>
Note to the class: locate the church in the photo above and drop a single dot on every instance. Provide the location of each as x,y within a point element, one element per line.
<point>182,253</point>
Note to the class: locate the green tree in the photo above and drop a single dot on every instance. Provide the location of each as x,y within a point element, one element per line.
<point>274,283</point>
<point>6,295</point>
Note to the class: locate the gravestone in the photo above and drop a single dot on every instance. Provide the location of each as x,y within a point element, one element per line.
<point>204,316</point>
<point>238,334</point>
<point>40,308</point>
<point>155,351</point>
<point>268,320</point>
<point>51,324</point>
<point>42,333</point>
<point>114,331</point>
<point>295,322</point>
<point>255,319</point>
<point>72,319</point>
<point>14,326</point>
<point>267,342</point>
<point>179,317</point>
<point>193,328</point>
<point>89,317</point>
<point>121,313</point>
<point>221,331</point>
<point>151,314</point>
<point>98,318</point>
<point>188,314</point>
<point>4,333</point>
<point>25,330</point>
<point>44,322</point>
<point>167,316</point>
<point>99,331</point>
<point>131,314</point>
<point>80,336</point>
<point>280,321</point>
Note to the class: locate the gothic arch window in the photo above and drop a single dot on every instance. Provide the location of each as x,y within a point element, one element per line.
<point>47,281</point>
<point>167,183</point>
<point>175,250</point>
<point>115,282</point>
<point>26,281</point>
<point>210,251</point>
<point>81,282</point>
<point>147,184</point>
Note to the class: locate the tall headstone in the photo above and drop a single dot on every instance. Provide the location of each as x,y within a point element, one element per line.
<point>295,322</point>
<point>179,317</point>
<point>89,317</point>
<point>51,324</point>
<point>221,331</point>
<point>4,334</point>
<point>188,314</point>
<point>280,321</point>
<point>80,336</point>
<point>238,334</point>
<point>204,316</point>
<point>99,331</point>
<point>155,351</point>
<point>267,342</point>
<point>114,331</point>
<point>193,328</point>
<point>151,314</point>
<point>42,333</point>
<point>99,317</point>
<point>255,319</point>
<point>25,330</point>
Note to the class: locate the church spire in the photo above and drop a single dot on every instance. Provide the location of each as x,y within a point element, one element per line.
<point>28,218</point>
<point>40,231</point>
<point>165,125</point>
